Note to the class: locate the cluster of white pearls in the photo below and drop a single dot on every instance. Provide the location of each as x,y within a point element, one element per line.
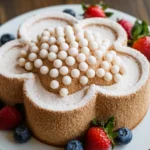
<point>72,52</point>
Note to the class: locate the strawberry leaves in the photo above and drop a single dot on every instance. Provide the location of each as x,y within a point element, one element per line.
<point>140,29</point>
<point>108,127</point>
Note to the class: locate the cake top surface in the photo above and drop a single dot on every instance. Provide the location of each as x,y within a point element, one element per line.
<point>69,58</point>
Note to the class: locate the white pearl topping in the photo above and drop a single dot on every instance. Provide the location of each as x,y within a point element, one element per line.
<point>83,80</point>
<point>66,80</point>
<point>54,84</point>
<point>38,63</point>
<point>57,63</point>
<point>63,92</point>
<point>67,46</point>
<point>54,73</point>
<point>90,73</point>
<point>75,73</point>
<point>70,61</point>
<point>44,70</point>
<point>64,70</point>
<point>117,77</point>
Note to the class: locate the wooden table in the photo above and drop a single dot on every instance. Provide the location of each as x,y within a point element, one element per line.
<point>12,8</point>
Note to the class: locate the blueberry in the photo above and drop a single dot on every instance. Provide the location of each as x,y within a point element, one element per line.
<point>74,145</point>
<point>1,104</point>
<point>124,136</point>
<point>70,11</point>
<point>22,134</point>
<point>6,38</point>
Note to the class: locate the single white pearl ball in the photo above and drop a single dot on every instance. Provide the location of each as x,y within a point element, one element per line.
<point>52,40</point>
<point>32,56</point>
<point>54,84</point>
<point>83,43</point>
<point>64,70</point>
<point>21,62</point>
<point>73,51</point>
<point>50,30</point>
<point>77,28</point>
<point>44,70</point>
<point>83,80</point>
<point>102,48</point>
<point>44,39</point>
<point>64,46</point>
<point>70,61</point>
<point>75,73</point>
<point>57,63</point>
<point>60,40</point>
<point>59,31</point>
<point>45,46</point>
<point>38,63</point>
<point>63,92</point>
<point>28,66</point>
<point>85,50</point>
<point>70,38</point>
<point>66,80</point>
<point>117,77</point>
<point>23,53</point>
<point>81,57</point>
<point>54,73</point>
<point>100,72</point>
<point>52,56</point>
<point>108,57</point>
<point>116,60</point>
<point>83,66</point>
<point>68,28</point>
<point>53,48</point>
<point>31,44</point>
<point>23,40</point>
<point>123,69</point>
<point>90,73</point>
<point>115,69</point>
<point>34,41</point>
<point>113,53</point>
<point>74,44</point>
<point>106,42</point>
<point>108,76</point>
<point>93,45</point>
<point>105,65</point>
<point>90,38</point>
<point>60,34</point>
<point>87,33</point>
<point>98,54</point>
<point>46,33</point>
<point>62,55</point>
<point>79,36</point>
<point>91,60</point>
<point>43,53</point>
<point>34,49</point>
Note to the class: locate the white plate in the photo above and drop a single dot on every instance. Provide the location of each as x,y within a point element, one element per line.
<point>141,134</point>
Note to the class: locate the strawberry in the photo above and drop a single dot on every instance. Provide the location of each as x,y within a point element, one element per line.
<point>10,118</point>
<point>140,38</point>
<point>100,137</point>
<point>96,11</point>
<point>127,26</point>
<point>143,45</point>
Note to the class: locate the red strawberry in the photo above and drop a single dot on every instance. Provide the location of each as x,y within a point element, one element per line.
<point>97,139</point>
<point>100,138</point>
<point>140,38</point>
<point>10,118</point>
<point>96,11</point>
<point>143,45</point>
<point>127,26</point>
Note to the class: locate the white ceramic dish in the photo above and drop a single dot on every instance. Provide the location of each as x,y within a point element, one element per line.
<point>141,134</point>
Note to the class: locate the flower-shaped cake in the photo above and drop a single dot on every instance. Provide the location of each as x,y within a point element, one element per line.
<point>68,72</point>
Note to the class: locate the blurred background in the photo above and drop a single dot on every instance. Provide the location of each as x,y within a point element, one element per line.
<point>12,8</point>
